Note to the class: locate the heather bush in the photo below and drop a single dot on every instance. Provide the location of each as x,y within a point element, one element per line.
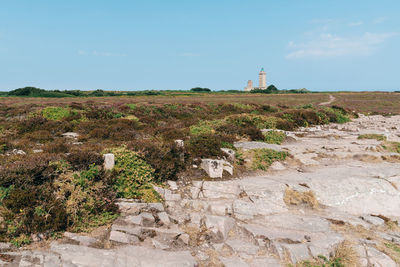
<point>260,121</point>
<point>132,172</point>
<point>205,146</point>
<point>274,137</point>
<point>83,159</point>
<point>166,159</point>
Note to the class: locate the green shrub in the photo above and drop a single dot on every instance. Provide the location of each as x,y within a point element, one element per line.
<point>274,137</point>
<point>132,106</point>
<point>337,114</point>
<point>260,121</point>
<point>378,137</point>
<point>263,158</point>
<point>55,113</point>
<point>132,172</point>
<point>205,127</point>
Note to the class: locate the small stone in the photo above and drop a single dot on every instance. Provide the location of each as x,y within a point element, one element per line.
<point>180,143</point>
<point>37,150</point>
<point>109,161</point>
<point>70,135</point>
<point>172,185</point>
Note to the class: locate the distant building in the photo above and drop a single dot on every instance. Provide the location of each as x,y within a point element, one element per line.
<point>249,86</point>
<point>262,78</point>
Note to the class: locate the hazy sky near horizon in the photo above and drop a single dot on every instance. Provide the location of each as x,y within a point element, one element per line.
<point>219,44</point>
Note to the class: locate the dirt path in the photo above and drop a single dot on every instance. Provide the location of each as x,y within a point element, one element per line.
<point>331,99</point>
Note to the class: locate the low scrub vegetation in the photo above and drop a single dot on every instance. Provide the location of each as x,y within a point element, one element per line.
<point>263,158</point>
<point>274,137</point>
<point>57,183</point>
<point>378,137</point>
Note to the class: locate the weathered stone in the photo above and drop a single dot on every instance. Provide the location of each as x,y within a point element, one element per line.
<point>256,145</point>
<point>169,196</point>
<point>122,257</point>
<point>233,262</point>
<point>213,167</point>
<point>109,161</point>
<point>370,256</point>
<point>124,238</point>
<point>221,208</point>
<point>147,219</point>
<point>220,225</point>
<point>277,166</point>
<point>172,185</point>
<point>373,220</point>
<point>230,153</point>
<point>130,207</point>
<point>267,262</point>
<point>70,135</point>
<point>136,219</point>
<point>4,246</point>
<point>241,246</point>
<point>156,206</point>
<point>184,238</point>
<point>220,190</point>
<point>180,143</point>
<point>297,252</point>
<point>83,240</point>
<point>164,218</point>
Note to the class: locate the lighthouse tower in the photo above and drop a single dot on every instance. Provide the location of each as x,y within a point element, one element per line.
<point>262,79</point>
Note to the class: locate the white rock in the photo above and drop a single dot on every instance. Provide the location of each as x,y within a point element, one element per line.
<point>70,135</point>
<point>180,143</point>
<point>109,161</point>
<point>213,167</point>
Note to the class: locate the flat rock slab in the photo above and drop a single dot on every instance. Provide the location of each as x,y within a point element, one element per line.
<point>71,255</point>
<point>257,145</point>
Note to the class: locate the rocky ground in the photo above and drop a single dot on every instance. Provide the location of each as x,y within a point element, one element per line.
<point>334,189</point>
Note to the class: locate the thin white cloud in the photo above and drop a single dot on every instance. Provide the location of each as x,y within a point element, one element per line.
<point>100,54</point>
<point>356,23</point>
<point>379,20</point>
<point>189,54</point>
<point>329,45</point>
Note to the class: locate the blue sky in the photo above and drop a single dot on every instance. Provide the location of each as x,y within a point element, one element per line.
<point>220,44</point>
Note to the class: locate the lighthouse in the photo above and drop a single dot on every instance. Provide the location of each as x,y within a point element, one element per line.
<point>262,79</point>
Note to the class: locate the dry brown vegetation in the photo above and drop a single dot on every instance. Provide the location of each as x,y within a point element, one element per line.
<point>307,198</point>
